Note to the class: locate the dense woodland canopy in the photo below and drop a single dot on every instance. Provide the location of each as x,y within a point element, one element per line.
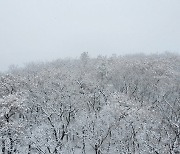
<point>104,105</point>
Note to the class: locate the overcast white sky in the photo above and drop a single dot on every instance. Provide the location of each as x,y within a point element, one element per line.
<point>38,30</point>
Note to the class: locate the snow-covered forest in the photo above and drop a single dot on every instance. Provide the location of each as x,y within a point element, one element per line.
<point>105,105</point>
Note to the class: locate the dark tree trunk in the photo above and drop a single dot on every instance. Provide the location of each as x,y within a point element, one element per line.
<point>29,149</point>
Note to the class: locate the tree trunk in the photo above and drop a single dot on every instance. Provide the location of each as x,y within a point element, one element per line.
<point>11,143</point>
<point>29,149</point>
<point>3,146</point>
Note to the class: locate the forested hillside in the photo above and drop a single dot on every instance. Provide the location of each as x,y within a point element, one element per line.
<point>104,105</point>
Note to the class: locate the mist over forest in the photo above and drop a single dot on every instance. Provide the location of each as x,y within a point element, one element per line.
<point>104,105</point>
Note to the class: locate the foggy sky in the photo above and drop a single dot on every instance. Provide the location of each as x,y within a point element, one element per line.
<point>38,30</point>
